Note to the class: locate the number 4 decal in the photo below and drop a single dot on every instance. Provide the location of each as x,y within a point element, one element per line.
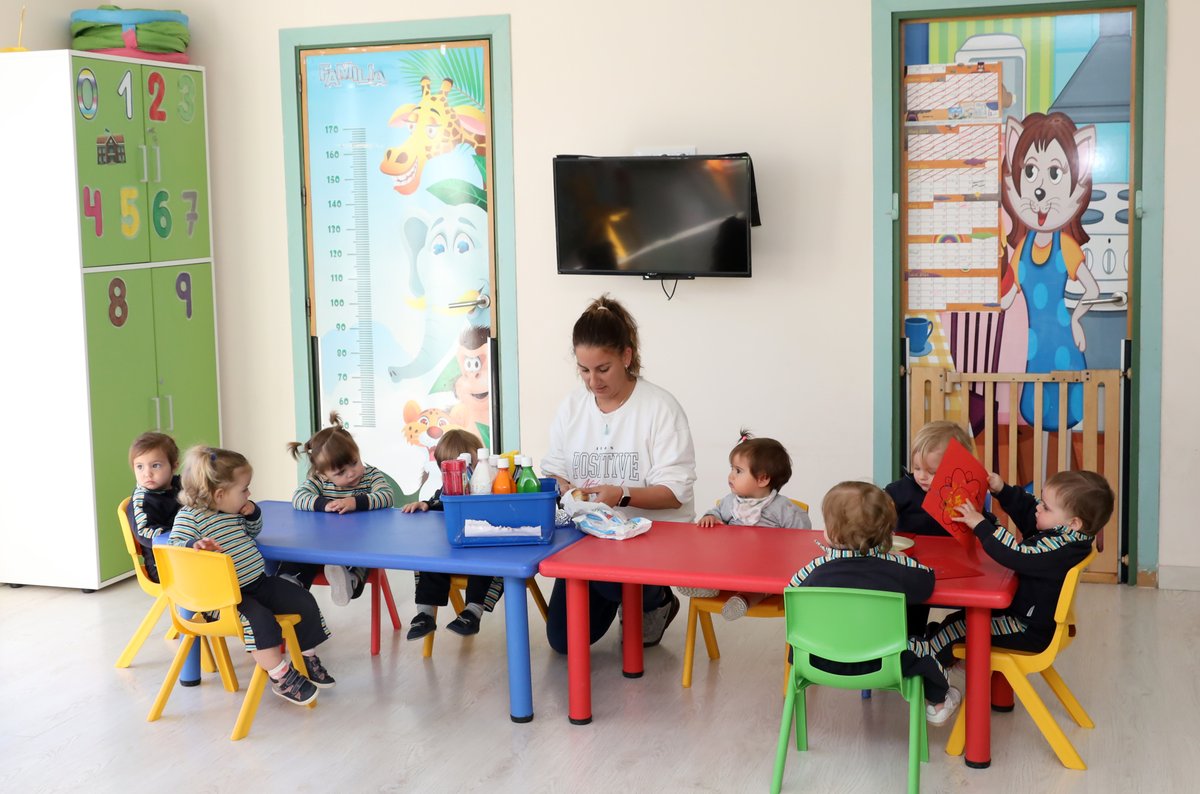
<point>93,209</point>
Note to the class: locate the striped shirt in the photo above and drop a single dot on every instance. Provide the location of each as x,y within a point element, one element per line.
<point>233,531</point>
<point>832,554</point>
<point>153,512</point>
<point>372,492</point>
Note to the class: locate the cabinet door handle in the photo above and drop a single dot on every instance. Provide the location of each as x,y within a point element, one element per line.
<point>157,414</point>
<point>158,163</point>
<point>145,163</point>
<point>170,414</point>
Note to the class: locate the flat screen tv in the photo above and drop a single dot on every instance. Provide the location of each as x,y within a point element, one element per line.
<point>662,217</point>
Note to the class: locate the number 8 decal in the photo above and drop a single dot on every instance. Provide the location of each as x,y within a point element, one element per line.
<point>118,308</point>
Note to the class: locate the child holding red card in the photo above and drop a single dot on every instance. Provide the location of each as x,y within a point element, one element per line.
<point>1057,532</point>
<point>908,492</point>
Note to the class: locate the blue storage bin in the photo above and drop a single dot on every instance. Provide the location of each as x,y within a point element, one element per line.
<point>502,510</point>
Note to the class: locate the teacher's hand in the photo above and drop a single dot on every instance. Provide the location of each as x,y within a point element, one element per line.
<point>607,494</point>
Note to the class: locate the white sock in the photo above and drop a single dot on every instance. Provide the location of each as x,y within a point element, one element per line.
<point>279,671</point>
<point>477,609</point>
<point>425,609</point>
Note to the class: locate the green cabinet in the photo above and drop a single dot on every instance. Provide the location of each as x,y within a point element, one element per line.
<point>113,330</point>
<point>143,169</point>
<point>151,366</point>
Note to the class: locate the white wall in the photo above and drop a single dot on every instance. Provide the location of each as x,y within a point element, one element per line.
<point>787,352</point>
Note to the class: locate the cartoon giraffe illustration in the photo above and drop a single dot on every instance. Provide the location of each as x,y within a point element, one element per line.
<point>437,128</point>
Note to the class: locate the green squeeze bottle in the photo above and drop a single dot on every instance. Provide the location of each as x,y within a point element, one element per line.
<point>528,481</point>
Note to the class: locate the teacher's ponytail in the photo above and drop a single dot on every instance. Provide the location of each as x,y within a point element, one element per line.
<point>606,323</point>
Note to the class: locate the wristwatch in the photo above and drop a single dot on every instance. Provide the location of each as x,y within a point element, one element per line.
<point>625,497</point>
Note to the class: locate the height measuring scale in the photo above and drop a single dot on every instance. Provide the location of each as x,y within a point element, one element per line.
<point>341,258</point>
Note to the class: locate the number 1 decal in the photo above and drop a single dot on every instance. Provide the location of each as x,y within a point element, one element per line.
<point>125,89</point>
<point>158,90</point>
<point>92,208</point>
<point>183,291</point>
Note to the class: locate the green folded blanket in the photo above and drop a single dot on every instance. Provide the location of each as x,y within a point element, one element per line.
<point>111,27</point>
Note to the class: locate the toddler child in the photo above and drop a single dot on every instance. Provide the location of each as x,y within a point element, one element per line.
<point>908,492</point>
<point>758,468</point>
<point>337,482</point>
<point>155,501</point>
<point>217,515</point>
<point>859,521</point>
<point>1057,533</point>
<point>433,589</point>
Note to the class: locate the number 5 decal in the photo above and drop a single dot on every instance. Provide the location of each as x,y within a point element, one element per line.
<point>131,219</point>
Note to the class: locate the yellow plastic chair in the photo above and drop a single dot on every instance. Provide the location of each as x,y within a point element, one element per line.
<point>458,585</point>
<point>154,590</point>
<point>205,581</point>
<point>1017,666</point>
<point>700,610</point>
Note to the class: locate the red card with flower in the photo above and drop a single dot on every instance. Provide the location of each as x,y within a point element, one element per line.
<point>960,478</point>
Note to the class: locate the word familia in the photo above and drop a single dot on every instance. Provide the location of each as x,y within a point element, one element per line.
<point>333,75</point>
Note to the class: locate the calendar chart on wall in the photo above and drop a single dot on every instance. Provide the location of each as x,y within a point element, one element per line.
<point>952,234</point>
<point>399,242</point>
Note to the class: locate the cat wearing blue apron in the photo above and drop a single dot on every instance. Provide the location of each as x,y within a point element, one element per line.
<point>1047,186</point>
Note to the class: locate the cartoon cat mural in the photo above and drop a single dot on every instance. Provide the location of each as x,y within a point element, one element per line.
<point>1047,184</point>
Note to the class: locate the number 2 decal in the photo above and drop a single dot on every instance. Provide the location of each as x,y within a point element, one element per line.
<point>158,90</point>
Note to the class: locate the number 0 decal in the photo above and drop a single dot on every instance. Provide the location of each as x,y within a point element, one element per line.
<point>87,95</point>
<point>118,308</point>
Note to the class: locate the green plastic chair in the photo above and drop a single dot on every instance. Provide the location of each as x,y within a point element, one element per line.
<point>847,625</point>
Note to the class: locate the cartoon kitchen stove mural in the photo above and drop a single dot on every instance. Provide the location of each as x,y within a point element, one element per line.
<point>400,247</point>
<point>1015,218</point>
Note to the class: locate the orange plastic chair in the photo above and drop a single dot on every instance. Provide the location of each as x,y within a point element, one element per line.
<point>205,581</point>
<point>1017,666</point>
<point>378,580</point>
<point>154,590</point>
<point>700,609</point>
<point>458,585</point>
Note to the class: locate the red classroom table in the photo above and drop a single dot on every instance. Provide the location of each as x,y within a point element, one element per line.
<point>762,559</point>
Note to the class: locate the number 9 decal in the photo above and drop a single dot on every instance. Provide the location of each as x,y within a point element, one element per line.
<point>183,291</point>
<point>87,94</point>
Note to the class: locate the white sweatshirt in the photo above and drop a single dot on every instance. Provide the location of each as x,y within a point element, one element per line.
<point>645,442</point>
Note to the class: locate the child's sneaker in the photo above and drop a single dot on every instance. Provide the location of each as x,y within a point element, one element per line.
<point>420,625</point>
<point>341,584</point>
<point>466,624</point>
<point>317,673</point>
<point>938,715</point>
<point>698,592</point>
<point>655,621</point>
<point>734,608</point>
<point>294,688</point>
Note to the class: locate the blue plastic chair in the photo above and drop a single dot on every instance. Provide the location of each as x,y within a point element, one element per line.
<point>847,625</point>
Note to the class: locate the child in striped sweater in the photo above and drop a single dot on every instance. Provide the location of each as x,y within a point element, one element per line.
<point>338,482</point>
<point>217,515</point>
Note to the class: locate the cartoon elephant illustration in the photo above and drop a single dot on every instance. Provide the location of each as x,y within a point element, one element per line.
<point>448,282</point>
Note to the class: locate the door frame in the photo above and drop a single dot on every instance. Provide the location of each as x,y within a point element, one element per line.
<point>494,28</point>
<point>1144,440</point>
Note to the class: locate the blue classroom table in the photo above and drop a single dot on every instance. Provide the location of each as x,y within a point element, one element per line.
<point>417,542</point>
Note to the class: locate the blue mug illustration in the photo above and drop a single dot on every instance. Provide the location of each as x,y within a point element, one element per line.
<point>917,330</point>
